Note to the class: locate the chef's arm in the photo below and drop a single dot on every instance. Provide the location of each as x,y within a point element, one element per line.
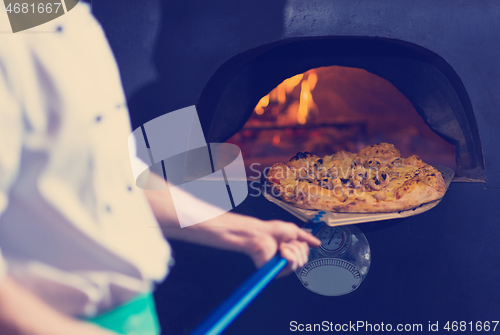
<point>258,239</point>
<point>22,313</point>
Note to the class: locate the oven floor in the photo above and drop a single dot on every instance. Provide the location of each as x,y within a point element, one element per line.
<point>439,266</point>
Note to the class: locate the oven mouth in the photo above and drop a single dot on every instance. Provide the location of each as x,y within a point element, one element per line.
<point>425,79</point>
<point>335,108</point>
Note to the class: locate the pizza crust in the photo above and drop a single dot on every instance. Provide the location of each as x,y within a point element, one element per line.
<point>375,180</point>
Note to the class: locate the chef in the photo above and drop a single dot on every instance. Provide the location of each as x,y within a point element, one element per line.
<point>81,245</point>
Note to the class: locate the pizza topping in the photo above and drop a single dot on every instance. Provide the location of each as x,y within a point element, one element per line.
<point>394,174</point>
<point>342,155</point>
<point>358,161</point>
<point>376,184</point>
<point>396,162</point>
<point>383,151</point>
<point>302,155</point>
<point>356,182</point>
<point>333,172</point>
<point>336,182</point>
<point>380,196</point>
<point>277,173</point>
<point>414,160</point>
<point>303,160</point>
<point>377,179</point>
<point>373,163</point>
<point>407,187</point>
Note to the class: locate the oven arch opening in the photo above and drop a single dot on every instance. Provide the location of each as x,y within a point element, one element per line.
<point>333,108</point>
<point>424,78</point>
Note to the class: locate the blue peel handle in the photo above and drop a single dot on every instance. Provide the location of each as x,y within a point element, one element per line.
<point>222,317</point>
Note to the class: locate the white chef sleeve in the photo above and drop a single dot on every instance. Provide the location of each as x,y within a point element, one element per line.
<point>203,209</point>
<point>10,139</point>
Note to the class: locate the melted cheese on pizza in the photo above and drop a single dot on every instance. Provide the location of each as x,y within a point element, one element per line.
<point>377,178</point>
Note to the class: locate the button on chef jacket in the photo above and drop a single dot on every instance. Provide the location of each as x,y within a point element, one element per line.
<point>74,228</point>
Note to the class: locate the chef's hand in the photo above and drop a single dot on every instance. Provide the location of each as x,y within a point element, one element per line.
<point>292,242</point>
<point>258,239</point>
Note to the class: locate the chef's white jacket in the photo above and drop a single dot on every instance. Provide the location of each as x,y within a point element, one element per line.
<point>74,228</point>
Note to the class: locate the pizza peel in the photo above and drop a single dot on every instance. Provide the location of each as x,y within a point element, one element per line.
<point>232,307</point>
<point>340,219</point>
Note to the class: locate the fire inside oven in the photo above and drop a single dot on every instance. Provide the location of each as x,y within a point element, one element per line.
<point>333,108</point>
<point>328,94</point>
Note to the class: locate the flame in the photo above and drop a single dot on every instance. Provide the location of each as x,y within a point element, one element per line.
<point>312,79</point>
<point>306,100</point>
<point>291,82</point>
<point>264,102</point>
<point>279,96</point>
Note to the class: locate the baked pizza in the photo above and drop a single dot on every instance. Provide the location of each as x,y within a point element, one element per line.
<point>375,180</point>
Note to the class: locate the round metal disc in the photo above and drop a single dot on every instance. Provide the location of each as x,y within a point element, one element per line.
<point>330,276</point>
